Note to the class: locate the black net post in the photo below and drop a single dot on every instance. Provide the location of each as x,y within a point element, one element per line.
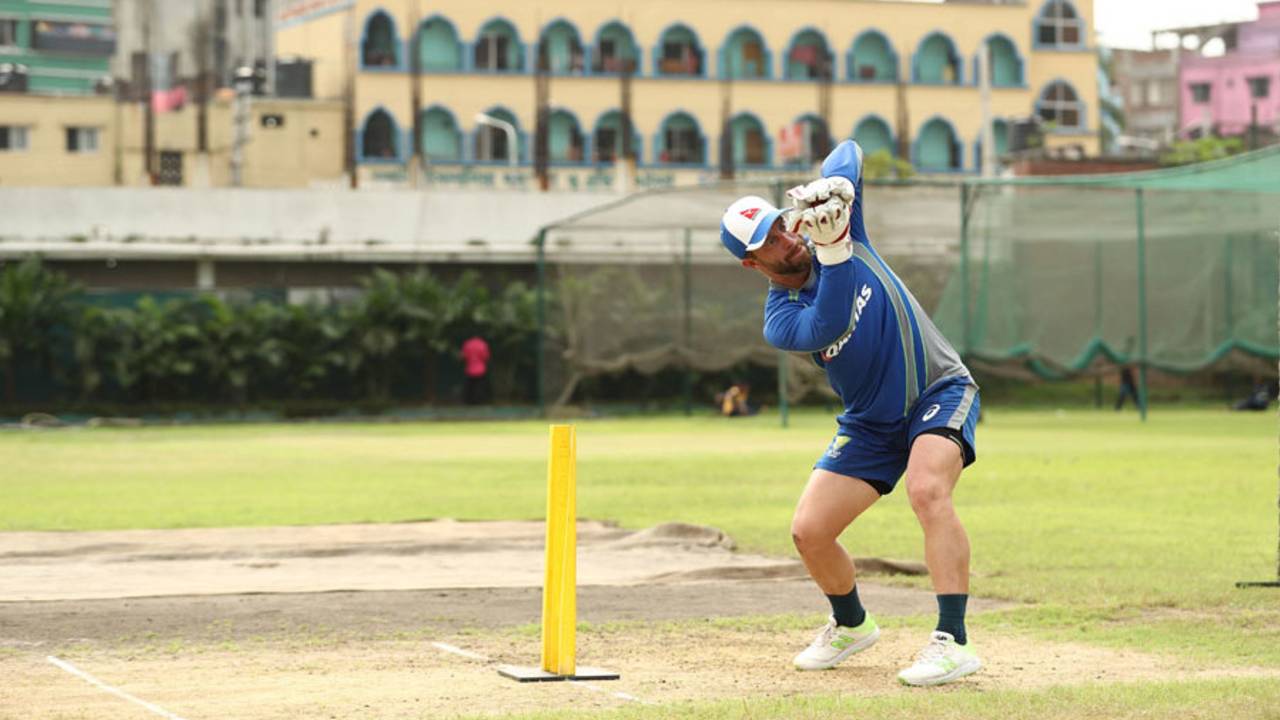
<point>541,386</point>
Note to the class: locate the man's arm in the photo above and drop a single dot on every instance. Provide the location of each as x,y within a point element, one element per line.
<point>790,325</point>
<point>845,161</point>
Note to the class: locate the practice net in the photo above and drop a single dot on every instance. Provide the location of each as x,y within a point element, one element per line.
<point>1174,270</point>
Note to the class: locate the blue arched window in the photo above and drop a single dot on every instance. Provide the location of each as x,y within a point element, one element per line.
<point>498,48</point>
<point>872,59</point>
<point>873,135</point>
<point>492,144</point>
<point>748,140</point>
<point>380,137</point>
<point>606,141</point>
<point>1059,25</point>
<point>1006,64</point>
<point>439,49</point>
<point>937,62</point>
<point>564,138</point>
<point>937,147</point>
<point>615,50</point>
<point>744,56</point>
<point>380,47</point>
<point>560,49</point>
<point>1059,104</point>
<point>809,57</point>
<point>679,53</point>
<point>680,141</point>
<point>441,138</point>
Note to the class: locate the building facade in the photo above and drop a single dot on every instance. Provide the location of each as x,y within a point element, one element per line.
<point>1147,83</point>
<point>56,46</point>
<point>1223,95</point>
<point>48,140</point>
<point>707,89</point>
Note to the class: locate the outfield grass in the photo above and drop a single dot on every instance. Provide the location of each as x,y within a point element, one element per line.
<point>1108,530</point>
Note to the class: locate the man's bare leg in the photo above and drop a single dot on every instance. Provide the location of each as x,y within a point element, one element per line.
<point>932,472</point>
<point>829,503</point>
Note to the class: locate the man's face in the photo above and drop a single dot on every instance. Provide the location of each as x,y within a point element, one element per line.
<point>783,252</point>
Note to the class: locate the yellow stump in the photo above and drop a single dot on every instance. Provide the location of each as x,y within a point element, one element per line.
<point>560,585</point>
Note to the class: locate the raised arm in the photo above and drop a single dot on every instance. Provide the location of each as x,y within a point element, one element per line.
<point>790,325</point>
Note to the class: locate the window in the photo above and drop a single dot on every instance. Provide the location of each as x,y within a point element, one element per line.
<point>744,56</point>
<point>560,50</point>
<point>1006,67</point>
<point>1060,25</point>
<point>615,51</point>
<point>1155,96</point>
<point>82,139</point>
<point>680,54</point>
<point>8,32</point>
<point>808,57</point>
<point>1259,87</point>
<point>1199,93</point>
<point>1060,105</point>
<point>872,59</point>
<point>681,140</point>
<point>438,47</point>
<point>936,61</point>
<point>380,44</point>
<point>498,47</point>
<point>380,137</point>
<point>13,138</point>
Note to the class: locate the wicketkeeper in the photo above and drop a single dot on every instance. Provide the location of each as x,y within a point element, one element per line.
<point>909,404</point>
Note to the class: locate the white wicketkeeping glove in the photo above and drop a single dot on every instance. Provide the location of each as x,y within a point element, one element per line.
<point>819,191</point>
<point>822,212</point>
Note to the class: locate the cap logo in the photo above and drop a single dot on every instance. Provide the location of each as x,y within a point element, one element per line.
<point>751,213</point>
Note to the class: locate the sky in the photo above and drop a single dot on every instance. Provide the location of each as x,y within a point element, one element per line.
<point>1128,23</point>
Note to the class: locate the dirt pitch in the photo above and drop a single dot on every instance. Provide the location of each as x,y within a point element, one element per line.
<point>410,621</point>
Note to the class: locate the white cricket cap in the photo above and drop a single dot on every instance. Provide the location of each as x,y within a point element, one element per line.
<point>746,224</point>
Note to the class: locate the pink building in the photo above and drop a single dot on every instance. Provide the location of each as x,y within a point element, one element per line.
<point>1220,93</point>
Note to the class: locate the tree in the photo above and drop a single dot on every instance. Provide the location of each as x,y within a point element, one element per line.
<point>35,305</point>
<point>1186,152</point>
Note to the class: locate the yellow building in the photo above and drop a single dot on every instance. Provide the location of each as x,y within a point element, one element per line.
<point>765,82</point>
<point>59,140</point>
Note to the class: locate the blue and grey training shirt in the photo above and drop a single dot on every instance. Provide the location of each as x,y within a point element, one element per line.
<point>879,348</point>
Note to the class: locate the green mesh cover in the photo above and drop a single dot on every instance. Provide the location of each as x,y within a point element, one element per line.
<point>1175,267</point>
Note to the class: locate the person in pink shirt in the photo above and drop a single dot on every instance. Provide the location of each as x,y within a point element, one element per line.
<point>475,356</point>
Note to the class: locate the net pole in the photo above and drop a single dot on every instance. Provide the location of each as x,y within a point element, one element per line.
<point>688,321</point>
<point>1142,305</point>
<point>541,383</point>
<point>1097,317</point>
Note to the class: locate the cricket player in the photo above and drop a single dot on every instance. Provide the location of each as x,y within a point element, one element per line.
<point>910,405</point>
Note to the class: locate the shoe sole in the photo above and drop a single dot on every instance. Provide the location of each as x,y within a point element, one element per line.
<point>853,649</point>
<point>962,671</point>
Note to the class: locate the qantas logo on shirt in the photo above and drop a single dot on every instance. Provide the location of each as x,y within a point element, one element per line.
<point>864,297</point>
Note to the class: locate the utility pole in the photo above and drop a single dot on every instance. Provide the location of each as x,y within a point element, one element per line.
<point>148,111</point>
<point>727,169</point>
<point>541,95</point>
<point>418,163</point>
<point>902,121</point>
<point>825,78</point>
<point>349,99</point>
<point>627,161</point>
<point>244,88</point>
<point>984,92</point>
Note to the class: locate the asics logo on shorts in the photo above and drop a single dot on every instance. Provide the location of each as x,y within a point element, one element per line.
<point>933,410</point>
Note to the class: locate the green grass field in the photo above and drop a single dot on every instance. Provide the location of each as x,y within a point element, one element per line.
<point>1108,531</point>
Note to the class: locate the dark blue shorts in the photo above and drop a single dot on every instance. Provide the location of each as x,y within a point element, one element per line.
<point>879,455</point>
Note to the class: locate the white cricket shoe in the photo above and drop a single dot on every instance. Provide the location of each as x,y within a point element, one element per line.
<point>835,643</point>
<point>941,661</point>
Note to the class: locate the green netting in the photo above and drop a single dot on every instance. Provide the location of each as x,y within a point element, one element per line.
<point>1174,270</point>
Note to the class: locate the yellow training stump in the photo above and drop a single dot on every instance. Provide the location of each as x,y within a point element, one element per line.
<point>560,586</point>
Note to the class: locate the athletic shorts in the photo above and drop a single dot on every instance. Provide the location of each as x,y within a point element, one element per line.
<point>879,455</point>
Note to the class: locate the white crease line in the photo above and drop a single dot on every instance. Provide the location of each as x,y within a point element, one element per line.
<point>455,650</point>
<point>114,691</point>
<point>459,651</point>
<point>619,695</point>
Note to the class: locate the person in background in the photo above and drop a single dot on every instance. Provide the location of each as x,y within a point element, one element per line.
<point>475,356</point>
<point>733,402</point>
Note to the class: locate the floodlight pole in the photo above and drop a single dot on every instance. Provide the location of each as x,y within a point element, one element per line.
<point>688,321</point>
